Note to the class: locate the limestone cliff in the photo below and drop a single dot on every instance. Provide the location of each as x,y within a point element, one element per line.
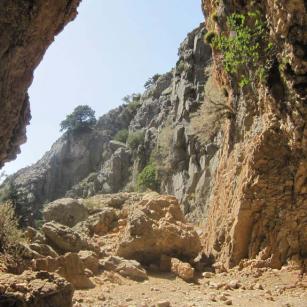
<point>27,28</point>
<point>259,206</point>
<point>175,139</point>
<point>230,143</point>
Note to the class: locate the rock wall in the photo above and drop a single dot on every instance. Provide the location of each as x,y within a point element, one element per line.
<point>259,206</point>
<point>170,112</point>
<point>27,28</point>
<point>235,158</point>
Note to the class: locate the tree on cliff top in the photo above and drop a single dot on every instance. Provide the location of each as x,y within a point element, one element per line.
<point>83,116</point>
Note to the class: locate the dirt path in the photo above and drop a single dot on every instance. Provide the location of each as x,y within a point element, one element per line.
<point>271,288</point>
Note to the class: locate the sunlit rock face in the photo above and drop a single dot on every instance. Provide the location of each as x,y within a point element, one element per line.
<point>258,207</point>
<point>27,28</point>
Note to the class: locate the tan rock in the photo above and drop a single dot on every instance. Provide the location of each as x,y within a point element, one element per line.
<point>63,238</point>
<point>90,260</point>
<point>127,268</point>
<point>182,269</point>
<point>69,266</point>
<point>35,289</point>
<point>156,227</point>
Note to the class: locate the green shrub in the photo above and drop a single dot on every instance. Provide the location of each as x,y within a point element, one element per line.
<point>135,139</point>
<point>246,48</point>
<point>147,178</point>
<point>151,81</point>
<point>210,37</point>
<point>10,235</point>
<point>121,135</point>
<point>133,102</point>
<point>82,117</point>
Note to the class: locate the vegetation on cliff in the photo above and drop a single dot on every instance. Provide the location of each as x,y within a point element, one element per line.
<point>82,117</point>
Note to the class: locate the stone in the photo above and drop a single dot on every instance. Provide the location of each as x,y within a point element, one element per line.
<point>63,238</point>
<point>35,289</point>
<point>163,304</point>
<point>43,249</point>
<point>156,227</point>
<point>182,269</point>
<point>66,211</point>
<point>127,268</point>
<point>90,260</point>
<point>34,236</point>
<point>99,223</point>
<point>69,266</point>
<point>234,284</point>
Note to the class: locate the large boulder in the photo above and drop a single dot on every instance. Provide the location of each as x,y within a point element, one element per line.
<point>63,238</point>
<point>43,249</point>
<point>156,226</point>
<point>127,268</point>
<point>90,260</point>
<point>100,223</point>
<point>35,289</point>
<point>69,266</point>
<point>66,211</point>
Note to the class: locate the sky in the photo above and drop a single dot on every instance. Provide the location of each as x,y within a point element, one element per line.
<point>107,52</point>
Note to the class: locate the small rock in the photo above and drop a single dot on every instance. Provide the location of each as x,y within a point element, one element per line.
<point>208,274</point>
<point>258,286</point>
<point>234,284</point>
<point>163,304</point>
<point>228,302</point>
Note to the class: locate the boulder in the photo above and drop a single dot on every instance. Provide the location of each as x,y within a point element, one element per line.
<point>182,269</point>
<point>156,227</point>
<point>127,268</point>
<point>66,211</point>
<point>43,249</point>
<point>100,223</point>
<point>69,266</point>
<point>63,238</point>
<point>35,289</point>
<point>89,260</point>
<point>34,236</point>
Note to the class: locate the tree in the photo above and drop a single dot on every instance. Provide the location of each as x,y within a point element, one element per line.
<point>151,81</point>
<point>83,116</point>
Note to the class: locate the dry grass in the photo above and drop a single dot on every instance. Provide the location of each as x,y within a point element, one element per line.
<point>10,234</point>
<point>208,119</point>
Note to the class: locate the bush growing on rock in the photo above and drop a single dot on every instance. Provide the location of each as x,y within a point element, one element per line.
<point>82,117</point>
<point>151,81</point>
<point>121,135</point>
<point>147,178</point>
<point>135,139</point>
<point>9,232</point>
<point>133,102</point>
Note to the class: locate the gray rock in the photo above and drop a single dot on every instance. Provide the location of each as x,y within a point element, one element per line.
<point>127,268</point>
<point>63,238</point>
<point>66,211</point>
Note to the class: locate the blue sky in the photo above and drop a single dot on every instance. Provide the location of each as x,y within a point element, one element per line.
<point>109,51</point>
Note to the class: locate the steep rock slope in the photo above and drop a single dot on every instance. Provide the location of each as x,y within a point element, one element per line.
<point>27,28</point>
<point>170,115</point>
<point>259,206</point>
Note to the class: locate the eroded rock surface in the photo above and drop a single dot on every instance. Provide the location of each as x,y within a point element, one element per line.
<point>35,289</point>
<point>27,30</point>
<point>156,226</point>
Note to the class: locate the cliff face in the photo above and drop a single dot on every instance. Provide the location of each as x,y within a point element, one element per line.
<point>170,115</point>
<point>27,28</point>
<point>234,156</point>
<point>259,206</point>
